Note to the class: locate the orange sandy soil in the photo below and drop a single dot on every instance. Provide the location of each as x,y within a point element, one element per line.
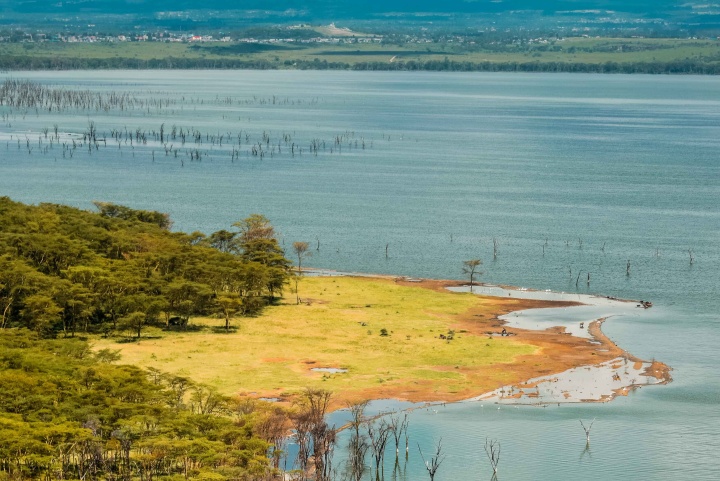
<point>557,352</point>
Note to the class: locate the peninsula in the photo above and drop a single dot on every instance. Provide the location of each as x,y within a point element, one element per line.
<point>378,337</point>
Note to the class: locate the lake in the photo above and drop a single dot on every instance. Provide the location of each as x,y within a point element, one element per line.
<point>568,174</point>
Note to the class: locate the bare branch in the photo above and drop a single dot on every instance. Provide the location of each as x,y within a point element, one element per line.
<point>435,461</point>
<point>492,449</point>
<point>587,429</point>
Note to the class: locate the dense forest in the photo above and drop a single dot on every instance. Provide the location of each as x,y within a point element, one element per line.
<point>64,270</point>
<point>70,412</point>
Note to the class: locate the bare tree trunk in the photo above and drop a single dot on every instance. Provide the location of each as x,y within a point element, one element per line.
<point>492,449</point>
<point>587,430</point>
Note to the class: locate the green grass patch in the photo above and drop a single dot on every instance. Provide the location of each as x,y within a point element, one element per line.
<point>275,352</point>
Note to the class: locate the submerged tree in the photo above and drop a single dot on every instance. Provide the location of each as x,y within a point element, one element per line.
<point>379,434</point>
<point>433,464</point>
<point>358,444</point>
<point>398,427</point>
<point>492,450</point>
<point>315,439</point>
<point>587,430</point>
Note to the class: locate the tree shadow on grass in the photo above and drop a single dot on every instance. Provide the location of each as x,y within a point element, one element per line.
<point>222,330</point>
<point>131,340</point>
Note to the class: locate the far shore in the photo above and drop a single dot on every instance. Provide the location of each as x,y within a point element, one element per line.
<point>367,337</point>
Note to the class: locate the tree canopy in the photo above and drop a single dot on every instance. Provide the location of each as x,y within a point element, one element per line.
<point>64,270</point>
<point>67,413</point>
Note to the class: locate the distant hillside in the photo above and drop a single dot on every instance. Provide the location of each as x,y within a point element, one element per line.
<point>342,8</point>
<point>228,15</point>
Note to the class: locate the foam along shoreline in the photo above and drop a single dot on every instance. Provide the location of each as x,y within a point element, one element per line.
<point>590,383</point>
<point>596,383</point>
<point>590,308</point>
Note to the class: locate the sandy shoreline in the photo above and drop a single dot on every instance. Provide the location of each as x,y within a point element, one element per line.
<point>573,362</point>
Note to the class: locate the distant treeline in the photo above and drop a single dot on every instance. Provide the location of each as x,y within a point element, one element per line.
<point>17,62</point>
<point>55,63</point>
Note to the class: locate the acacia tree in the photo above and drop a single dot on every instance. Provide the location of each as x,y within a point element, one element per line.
<point>255,227</point>
<point>228,304</point>
<point>301,250</point>
<point>17,280</point>
<point>273,427</point>
<point>314,437</point>
<point>470,267</point>
<point>259,244</point>
<point>41,311</point>
<point>224,241</point>
<point>134,321</point>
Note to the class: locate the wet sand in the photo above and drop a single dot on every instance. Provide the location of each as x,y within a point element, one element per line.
<point>571,363</point>
<point>574,362</point>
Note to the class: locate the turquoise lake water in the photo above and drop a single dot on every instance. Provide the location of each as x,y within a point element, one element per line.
<point>598,170</point>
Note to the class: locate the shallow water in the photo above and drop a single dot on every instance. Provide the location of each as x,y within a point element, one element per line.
<point>570,173</point>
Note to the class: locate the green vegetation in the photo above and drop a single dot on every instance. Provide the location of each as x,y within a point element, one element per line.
<point>63,270</point>
<point>66,413</point>
<point>608,55</point>
<point>120,275</point>
<point>340,324</point>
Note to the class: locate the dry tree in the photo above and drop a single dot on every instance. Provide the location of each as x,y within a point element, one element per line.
<point>587,429</point>
<point>492,450</point>
<point>433,464</point>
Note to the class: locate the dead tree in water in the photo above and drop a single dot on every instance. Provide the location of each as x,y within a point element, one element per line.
<point>379,436</point>
<point>315,439</point>
<point>492,449</point>
<point>273,429</point>
<point>434,462</point>
<point>397,427</point>
<point>692,256</point>
<point>587,430</point>
<point>358,445</point>
<point>496,244</point>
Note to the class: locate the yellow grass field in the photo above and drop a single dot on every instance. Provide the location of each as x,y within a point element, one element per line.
<point>339,327</point>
